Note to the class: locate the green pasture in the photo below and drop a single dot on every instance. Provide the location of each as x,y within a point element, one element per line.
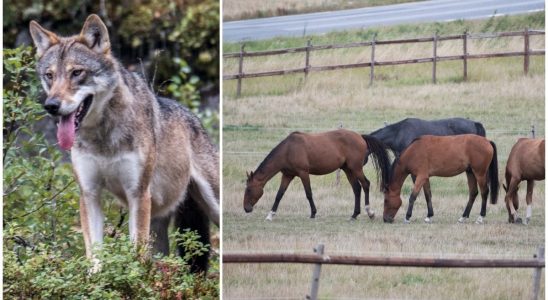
<point>496,94</point>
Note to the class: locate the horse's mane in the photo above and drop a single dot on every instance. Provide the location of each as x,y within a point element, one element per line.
<point>392,168</point>
<point>273,152</point>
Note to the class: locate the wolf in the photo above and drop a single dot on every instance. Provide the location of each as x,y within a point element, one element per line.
<point>150,152</point>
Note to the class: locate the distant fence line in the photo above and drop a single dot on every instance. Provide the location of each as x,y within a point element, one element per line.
<point>526,53</point>
<point>320,259</point>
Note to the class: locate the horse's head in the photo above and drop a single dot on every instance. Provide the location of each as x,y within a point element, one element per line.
<point>392,202</point>
<point>253,192</point>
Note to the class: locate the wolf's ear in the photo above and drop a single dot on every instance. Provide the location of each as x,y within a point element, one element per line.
<point>95,35</point>
<point>42,38</point>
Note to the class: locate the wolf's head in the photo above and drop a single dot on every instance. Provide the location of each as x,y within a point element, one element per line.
<point>76,73</point>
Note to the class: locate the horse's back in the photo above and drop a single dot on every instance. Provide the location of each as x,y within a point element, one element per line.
<point>448,155</point>
<point>325,152</point>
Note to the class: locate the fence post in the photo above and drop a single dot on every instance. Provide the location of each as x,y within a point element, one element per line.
<point>372,68</point>
<point>526,51</point>
<point>240,71</point>
<point>533,130</point>
<point>316,275</point>
<point>465,55</point>
<point>537,274</point>
<point>307,61</point>
<point>435,57</point>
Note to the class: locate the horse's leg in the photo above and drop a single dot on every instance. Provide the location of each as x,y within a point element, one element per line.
<point>428,196</point>
<point>425,189</point>
<point>484,189</point>
<point>365,185</point>
<point>472,194</point>
<point>305,178</point>
<point>284,183</point>
<point>419,182</point>
<point>529,200</point>
<point>356,188</point>
<point>511,199</point>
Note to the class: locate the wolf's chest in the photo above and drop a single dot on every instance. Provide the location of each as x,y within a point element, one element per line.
<point>119,174</point>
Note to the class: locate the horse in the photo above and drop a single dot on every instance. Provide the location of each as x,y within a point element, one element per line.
<point>525,162</point>
<point>400,135</point>
<point>444,156</point>
<point>301,154</point>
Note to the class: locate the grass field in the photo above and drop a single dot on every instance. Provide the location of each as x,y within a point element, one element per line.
<point>496,94</point>
<point>245,9</point>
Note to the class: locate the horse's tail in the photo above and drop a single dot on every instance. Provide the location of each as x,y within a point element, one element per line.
<point>494,175</point>
<point>381,161</point>
<point>190,216</point>
<point>480,130</point>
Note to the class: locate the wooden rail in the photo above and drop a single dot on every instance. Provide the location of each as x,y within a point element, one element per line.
<point>319,259</point>
<point>381,261</point>
<point>526,53</point>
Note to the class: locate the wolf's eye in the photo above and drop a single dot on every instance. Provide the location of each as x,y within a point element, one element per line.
<point>76,73</point>
<point>49,75</point>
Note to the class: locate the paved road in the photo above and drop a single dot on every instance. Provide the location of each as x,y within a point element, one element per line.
<point>416,12</point>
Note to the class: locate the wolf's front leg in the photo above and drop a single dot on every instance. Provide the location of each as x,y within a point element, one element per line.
<point>139,218</point>
<point>92,221</point>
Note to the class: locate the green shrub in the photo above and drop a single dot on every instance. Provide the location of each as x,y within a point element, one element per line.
<point>125,273</point>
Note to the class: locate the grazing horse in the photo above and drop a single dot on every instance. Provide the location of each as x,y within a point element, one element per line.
<point>525,162</point>
<point>302,154</point>
<point>400,135</point>
<point>444,156</point>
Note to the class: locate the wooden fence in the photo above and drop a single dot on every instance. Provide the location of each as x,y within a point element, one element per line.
<point>307,68</point>
<point>319,259</point>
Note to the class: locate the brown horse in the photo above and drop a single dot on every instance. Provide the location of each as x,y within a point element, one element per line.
<point>525,162</point>
<point>444,156</point>
<point>302,154</point>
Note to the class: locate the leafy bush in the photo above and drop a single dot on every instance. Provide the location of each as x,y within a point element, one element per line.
<point>42,244</point>
<point>125,273</point>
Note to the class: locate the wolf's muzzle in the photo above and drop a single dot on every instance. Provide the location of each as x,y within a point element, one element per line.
<point>52,105</point>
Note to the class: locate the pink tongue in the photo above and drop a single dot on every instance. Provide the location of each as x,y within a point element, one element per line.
<point>66,131</point>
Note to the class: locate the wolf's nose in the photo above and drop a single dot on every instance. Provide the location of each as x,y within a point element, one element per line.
<point>52,105</point>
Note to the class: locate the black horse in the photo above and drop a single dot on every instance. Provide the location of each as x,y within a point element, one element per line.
<point>399,135</point>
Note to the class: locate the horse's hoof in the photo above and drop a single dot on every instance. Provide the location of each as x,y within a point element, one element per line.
<point>427,220</point>
<point>371,215</point>
<point>519,220</point>
<point>479,220</point>
<point>270,215</point>
<point>313,217</point>
<point>462,219</point>
<point>527,221</point>
<point>405,221</point>
<point>353,219</point>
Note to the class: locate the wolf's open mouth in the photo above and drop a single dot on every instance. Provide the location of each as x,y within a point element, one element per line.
<point>82,111</point>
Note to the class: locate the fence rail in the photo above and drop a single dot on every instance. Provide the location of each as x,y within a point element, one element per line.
<point>526,53</point>
<point>319,259</point>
